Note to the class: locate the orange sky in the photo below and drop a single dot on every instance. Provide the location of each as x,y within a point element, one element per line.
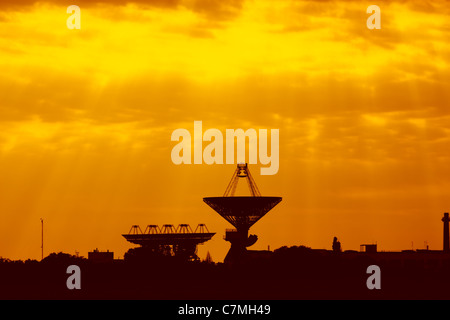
<point>86,118</point>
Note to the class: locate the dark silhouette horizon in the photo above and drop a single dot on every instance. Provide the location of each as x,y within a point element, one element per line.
<point>296,272</point>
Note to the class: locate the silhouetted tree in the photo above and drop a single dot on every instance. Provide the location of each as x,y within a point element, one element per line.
<point>208,258</point>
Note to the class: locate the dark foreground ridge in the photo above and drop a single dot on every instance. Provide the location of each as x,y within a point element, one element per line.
<point>286,273</point>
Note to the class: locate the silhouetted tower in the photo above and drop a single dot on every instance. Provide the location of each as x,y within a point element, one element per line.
<point>336,245</point>
<point>446,219</point>
<point>241,212</point>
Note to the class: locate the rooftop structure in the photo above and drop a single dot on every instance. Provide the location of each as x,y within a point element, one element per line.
<point>101,256</point>
<point>168,240</point>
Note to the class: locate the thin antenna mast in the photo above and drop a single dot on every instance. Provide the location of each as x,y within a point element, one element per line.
<point>42,239</point>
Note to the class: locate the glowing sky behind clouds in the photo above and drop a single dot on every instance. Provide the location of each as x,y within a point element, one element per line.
<point>86,117</point>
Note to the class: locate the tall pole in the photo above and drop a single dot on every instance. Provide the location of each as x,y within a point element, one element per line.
<point>42,238</point>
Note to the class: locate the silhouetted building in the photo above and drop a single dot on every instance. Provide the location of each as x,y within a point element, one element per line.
<point>446,219</point>
<point>368,248</point>
<point>101,256</point>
